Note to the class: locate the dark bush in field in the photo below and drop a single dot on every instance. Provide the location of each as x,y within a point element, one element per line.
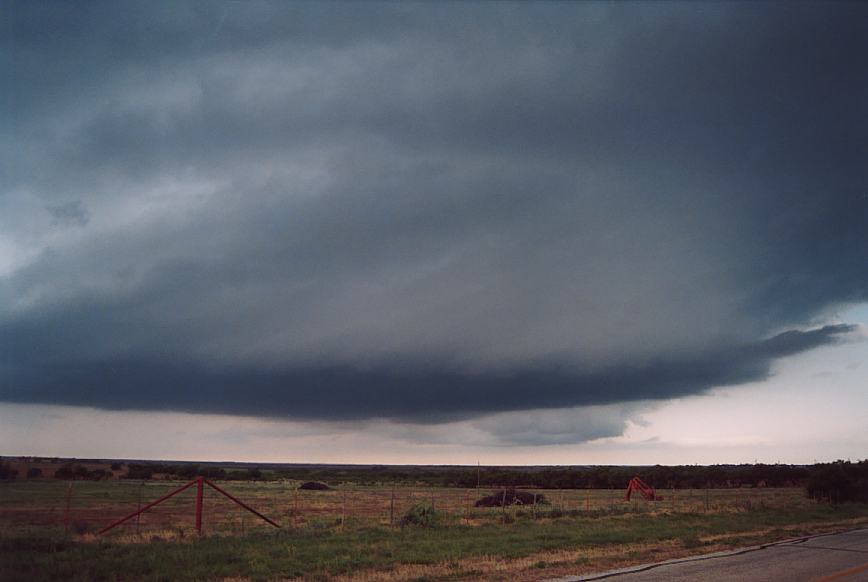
<point>213,473</point>
<point>65,472</point>
<point>421,515</point>
<point>253,475</point>
<point>80,472</point>
<point>7,473</point>
<point>314,486</point>
<point>34,473</point>
<point>99,474</point>
<point>246,475</point>
<point>137,471</point>
<point>511,497</point>
<point>839,481</point>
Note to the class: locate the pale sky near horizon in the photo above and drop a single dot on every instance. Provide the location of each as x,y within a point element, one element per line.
<point>513,233</point>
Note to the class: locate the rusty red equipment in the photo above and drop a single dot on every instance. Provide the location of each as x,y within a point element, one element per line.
<point>200,483</point>
<point>637,484</point>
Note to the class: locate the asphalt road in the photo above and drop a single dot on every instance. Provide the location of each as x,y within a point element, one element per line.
<point>842,556</point>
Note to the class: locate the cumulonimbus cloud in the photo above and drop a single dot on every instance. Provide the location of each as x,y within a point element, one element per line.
<point>422,213</point>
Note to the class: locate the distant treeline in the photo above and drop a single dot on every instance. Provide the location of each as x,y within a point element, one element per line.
<point>80,472</point>
<point>189,471</point>
<point>838,481</point>
<point>596,477</point>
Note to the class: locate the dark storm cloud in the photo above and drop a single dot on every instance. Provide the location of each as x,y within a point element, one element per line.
<point>424,212</point>
<point>348,393</point>
<point>69,214</point>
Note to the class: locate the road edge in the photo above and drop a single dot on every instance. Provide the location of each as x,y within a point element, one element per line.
<point>698,558</point>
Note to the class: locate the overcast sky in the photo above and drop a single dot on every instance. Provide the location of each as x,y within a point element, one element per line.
<point>384,232</point>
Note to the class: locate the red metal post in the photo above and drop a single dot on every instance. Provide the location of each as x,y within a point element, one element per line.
<point>199,482</point>
<point>200,487</point>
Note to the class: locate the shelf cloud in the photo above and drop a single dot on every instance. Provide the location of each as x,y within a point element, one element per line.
<point>425,213</point>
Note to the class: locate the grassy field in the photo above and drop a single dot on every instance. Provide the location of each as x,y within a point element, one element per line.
<point>348,533</point>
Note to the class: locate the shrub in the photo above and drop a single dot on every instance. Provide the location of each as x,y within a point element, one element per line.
<point>253,474</point>
<point>64,472</point>
<point>137,471</point>
<point>421,514</point>
<point>213,472</point>
<point>839,481</point>
<point>80,472</point>
<point>34,473</point>
<point>511,497</point>
<point>314,486</point>
<point>7,473</point>
<point>99,474</point>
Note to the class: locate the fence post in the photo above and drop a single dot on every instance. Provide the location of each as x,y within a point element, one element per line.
<point>68,502</point>
<point>466,507</point>
<point>295,508</point>
<point>588,499</point>
<point>534,505</point>
<point>392,508</point>
<point>139,508</point>
<point>343,507</point>
<point>200,489</point>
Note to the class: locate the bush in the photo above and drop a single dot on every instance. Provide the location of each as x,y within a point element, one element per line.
<point>421,514</point>
<point>211,473</point>
<point>839,481</point>
<point>137,471</point>
<point>253,475</point>
<point>80,472</point>
<point>64,472</point>
<point>314,486</point>
<point>7,473</point>
<point>34,473</point>
<point>511,497</point>
<point>99,474</point>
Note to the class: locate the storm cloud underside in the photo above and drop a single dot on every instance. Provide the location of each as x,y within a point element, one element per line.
<point>424,213</point>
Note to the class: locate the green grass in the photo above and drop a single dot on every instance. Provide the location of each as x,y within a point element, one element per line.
<point>34,554</point>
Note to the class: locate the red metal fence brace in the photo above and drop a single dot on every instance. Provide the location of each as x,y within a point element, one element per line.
<point>200,483</point>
